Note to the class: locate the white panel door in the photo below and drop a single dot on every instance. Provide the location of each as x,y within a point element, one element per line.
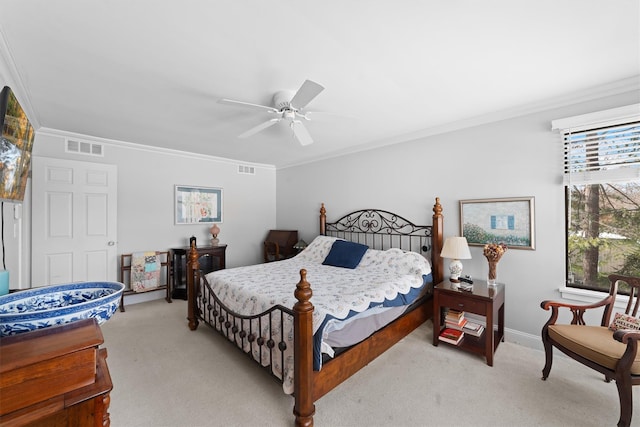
<point>74,221</point>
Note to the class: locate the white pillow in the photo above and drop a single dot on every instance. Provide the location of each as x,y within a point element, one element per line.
<point>318,249</point>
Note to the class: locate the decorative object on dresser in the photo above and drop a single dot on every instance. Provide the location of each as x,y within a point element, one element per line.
<point>55,376</point>
<point>281,339</point>
<point>46,306</point>
<point>279,245</point>
<point>483,300</point>
<point>211,258</point>
<point>138,269</point>
<point>606,348</point>
<point>493,252</point>
<point>214,230</point>
<point>455,248</point>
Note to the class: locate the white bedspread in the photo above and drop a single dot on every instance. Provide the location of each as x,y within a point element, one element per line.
<point>336,291</point>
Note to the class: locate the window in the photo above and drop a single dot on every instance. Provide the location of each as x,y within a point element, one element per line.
<point>602,189</point>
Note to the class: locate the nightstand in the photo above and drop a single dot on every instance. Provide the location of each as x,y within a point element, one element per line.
<point>484,300</point>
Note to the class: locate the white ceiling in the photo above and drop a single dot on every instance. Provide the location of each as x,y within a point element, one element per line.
<point>151,71</point>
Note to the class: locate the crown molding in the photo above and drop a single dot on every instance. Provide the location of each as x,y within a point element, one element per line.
<point>597,92</point>
<point>146,148</point>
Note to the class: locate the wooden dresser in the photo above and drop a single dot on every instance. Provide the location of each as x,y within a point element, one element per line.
<point>56,376</point>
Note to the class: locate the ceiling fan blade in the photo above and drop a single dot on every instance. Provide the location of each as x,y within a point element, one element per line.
<point>246,105</point>
<point>301,133</point>
<point>258,128</point>
<point>324,116</point>
<point>305,94</point>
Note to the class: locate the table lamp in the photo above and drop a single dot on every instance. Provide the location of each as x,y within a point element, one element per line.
<point>214,230</point>
<point>300,245</point>
<point>455,248</point>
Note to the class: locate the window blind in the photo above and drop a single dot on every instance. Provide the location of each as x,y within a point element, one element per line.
<point>602,154</point>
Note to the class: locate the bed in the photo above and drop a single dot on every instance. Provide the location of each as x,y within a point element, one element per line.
<point>312,343</point>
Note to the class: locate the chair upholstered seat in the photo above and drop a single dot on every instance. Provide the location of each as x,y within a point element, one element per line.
<point>595,343</point>
<point>614,354</point>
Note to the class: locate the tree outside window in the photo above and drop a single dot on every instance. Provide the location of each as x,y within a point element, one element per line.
<point>602,178</point>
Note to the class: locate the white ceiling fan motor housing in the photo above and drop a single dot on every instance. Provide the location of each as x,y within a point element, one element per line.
<point>282,99</point>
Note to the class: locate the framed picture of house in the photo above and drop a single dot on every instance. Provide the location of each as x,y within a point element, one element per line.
<point>507,220</point>
<point>197,205</point>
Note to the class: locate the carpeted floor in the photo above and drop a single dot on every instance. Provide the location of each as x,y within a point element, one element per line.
<point>166,375</point>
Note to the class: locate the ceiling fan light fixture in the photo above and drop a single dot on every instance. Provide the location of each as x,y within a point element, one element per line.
<point>286,104</point>
<point>289,114</point>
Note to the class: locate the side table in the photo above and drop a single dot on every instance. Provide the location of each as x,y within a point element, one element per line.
<point>212,258</point>
<point>484,300</point>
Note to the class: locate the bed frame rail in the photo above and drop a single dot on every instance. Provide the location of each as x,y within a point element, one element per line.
<point>310,385</point>
<point>255,335</point>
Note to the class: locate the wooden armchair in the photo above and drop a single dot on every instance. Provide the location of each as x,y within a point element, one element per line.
<point>612,353</point>
<point>271,251</point>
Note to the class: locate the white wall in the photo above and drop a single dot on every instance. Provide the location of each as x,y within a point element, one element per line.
<point>146,180</point>
<point>509,158</point>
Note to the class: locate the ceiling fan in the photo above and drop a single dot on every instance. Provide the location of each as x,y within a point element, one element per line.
<point>287,106</point>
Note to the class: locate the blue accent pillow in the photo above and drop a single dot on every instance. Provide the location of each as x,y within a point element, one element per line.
<point>345,254</point>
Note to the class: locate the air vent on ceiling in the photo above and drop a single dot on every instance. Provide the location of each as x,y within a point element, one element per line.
<point>83,147</point>
<point>246,170</point>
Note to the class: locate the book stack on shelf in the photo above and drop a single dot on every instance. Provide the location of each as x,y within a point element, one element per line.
<point>452,336</point>
<point>456,326</point>
<point>473,329</point>
<point>455,320</point>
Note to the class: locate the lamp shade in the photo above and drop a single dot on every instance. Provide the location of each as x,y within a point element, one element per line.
<point>300,245</point>
<point>456,248</point>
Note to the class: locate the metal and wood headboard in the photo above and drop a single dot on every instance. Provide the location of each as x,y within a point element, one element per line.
<point>380,229</point>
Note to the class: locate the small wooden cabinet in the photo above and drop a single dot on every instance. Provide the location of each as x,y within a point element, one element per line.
<point>211,258</point>
<point>484,300</point>
<point>55,377</point>
<point>279,245</point>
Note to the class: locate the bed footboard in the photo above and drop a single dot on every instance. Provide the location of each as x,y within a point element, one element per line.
<point>310,385</point>
<point>263,337</point>
<point>304,408</point>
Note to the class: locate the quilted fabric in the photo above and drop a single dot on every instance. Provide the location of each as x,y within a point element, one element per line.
<point>337,292</point>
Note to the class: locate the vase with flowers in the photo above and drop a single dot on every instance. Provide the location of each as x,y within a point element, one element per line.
<point>493,252</point>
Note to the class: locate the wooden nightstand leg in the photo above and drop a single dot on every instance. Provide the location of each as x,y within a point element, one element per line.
<point>437,315</point>
<point>490,336</point>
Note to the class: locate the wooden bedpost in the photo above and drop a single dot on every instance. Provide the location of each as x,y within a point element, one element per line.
<point>303,354</point>
<point>323,220</point>
<point>436,242</point>
<point>192,268</point>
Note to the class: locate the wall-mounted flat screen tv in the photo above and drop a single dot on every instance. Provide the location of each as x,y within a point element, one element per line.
<point>16,143</point>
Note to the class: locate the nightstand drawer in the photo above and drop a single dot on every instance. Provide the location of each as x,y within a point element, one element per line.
<point>463,304</point>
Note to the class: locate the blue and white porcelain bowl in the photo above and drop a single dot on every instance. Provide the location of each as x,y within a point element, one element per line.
<point>38,308</point>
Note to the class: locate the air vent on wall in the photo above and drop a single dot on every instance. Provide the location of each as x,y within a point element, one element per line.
<point>83,147</point>
<point>246,170</point>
